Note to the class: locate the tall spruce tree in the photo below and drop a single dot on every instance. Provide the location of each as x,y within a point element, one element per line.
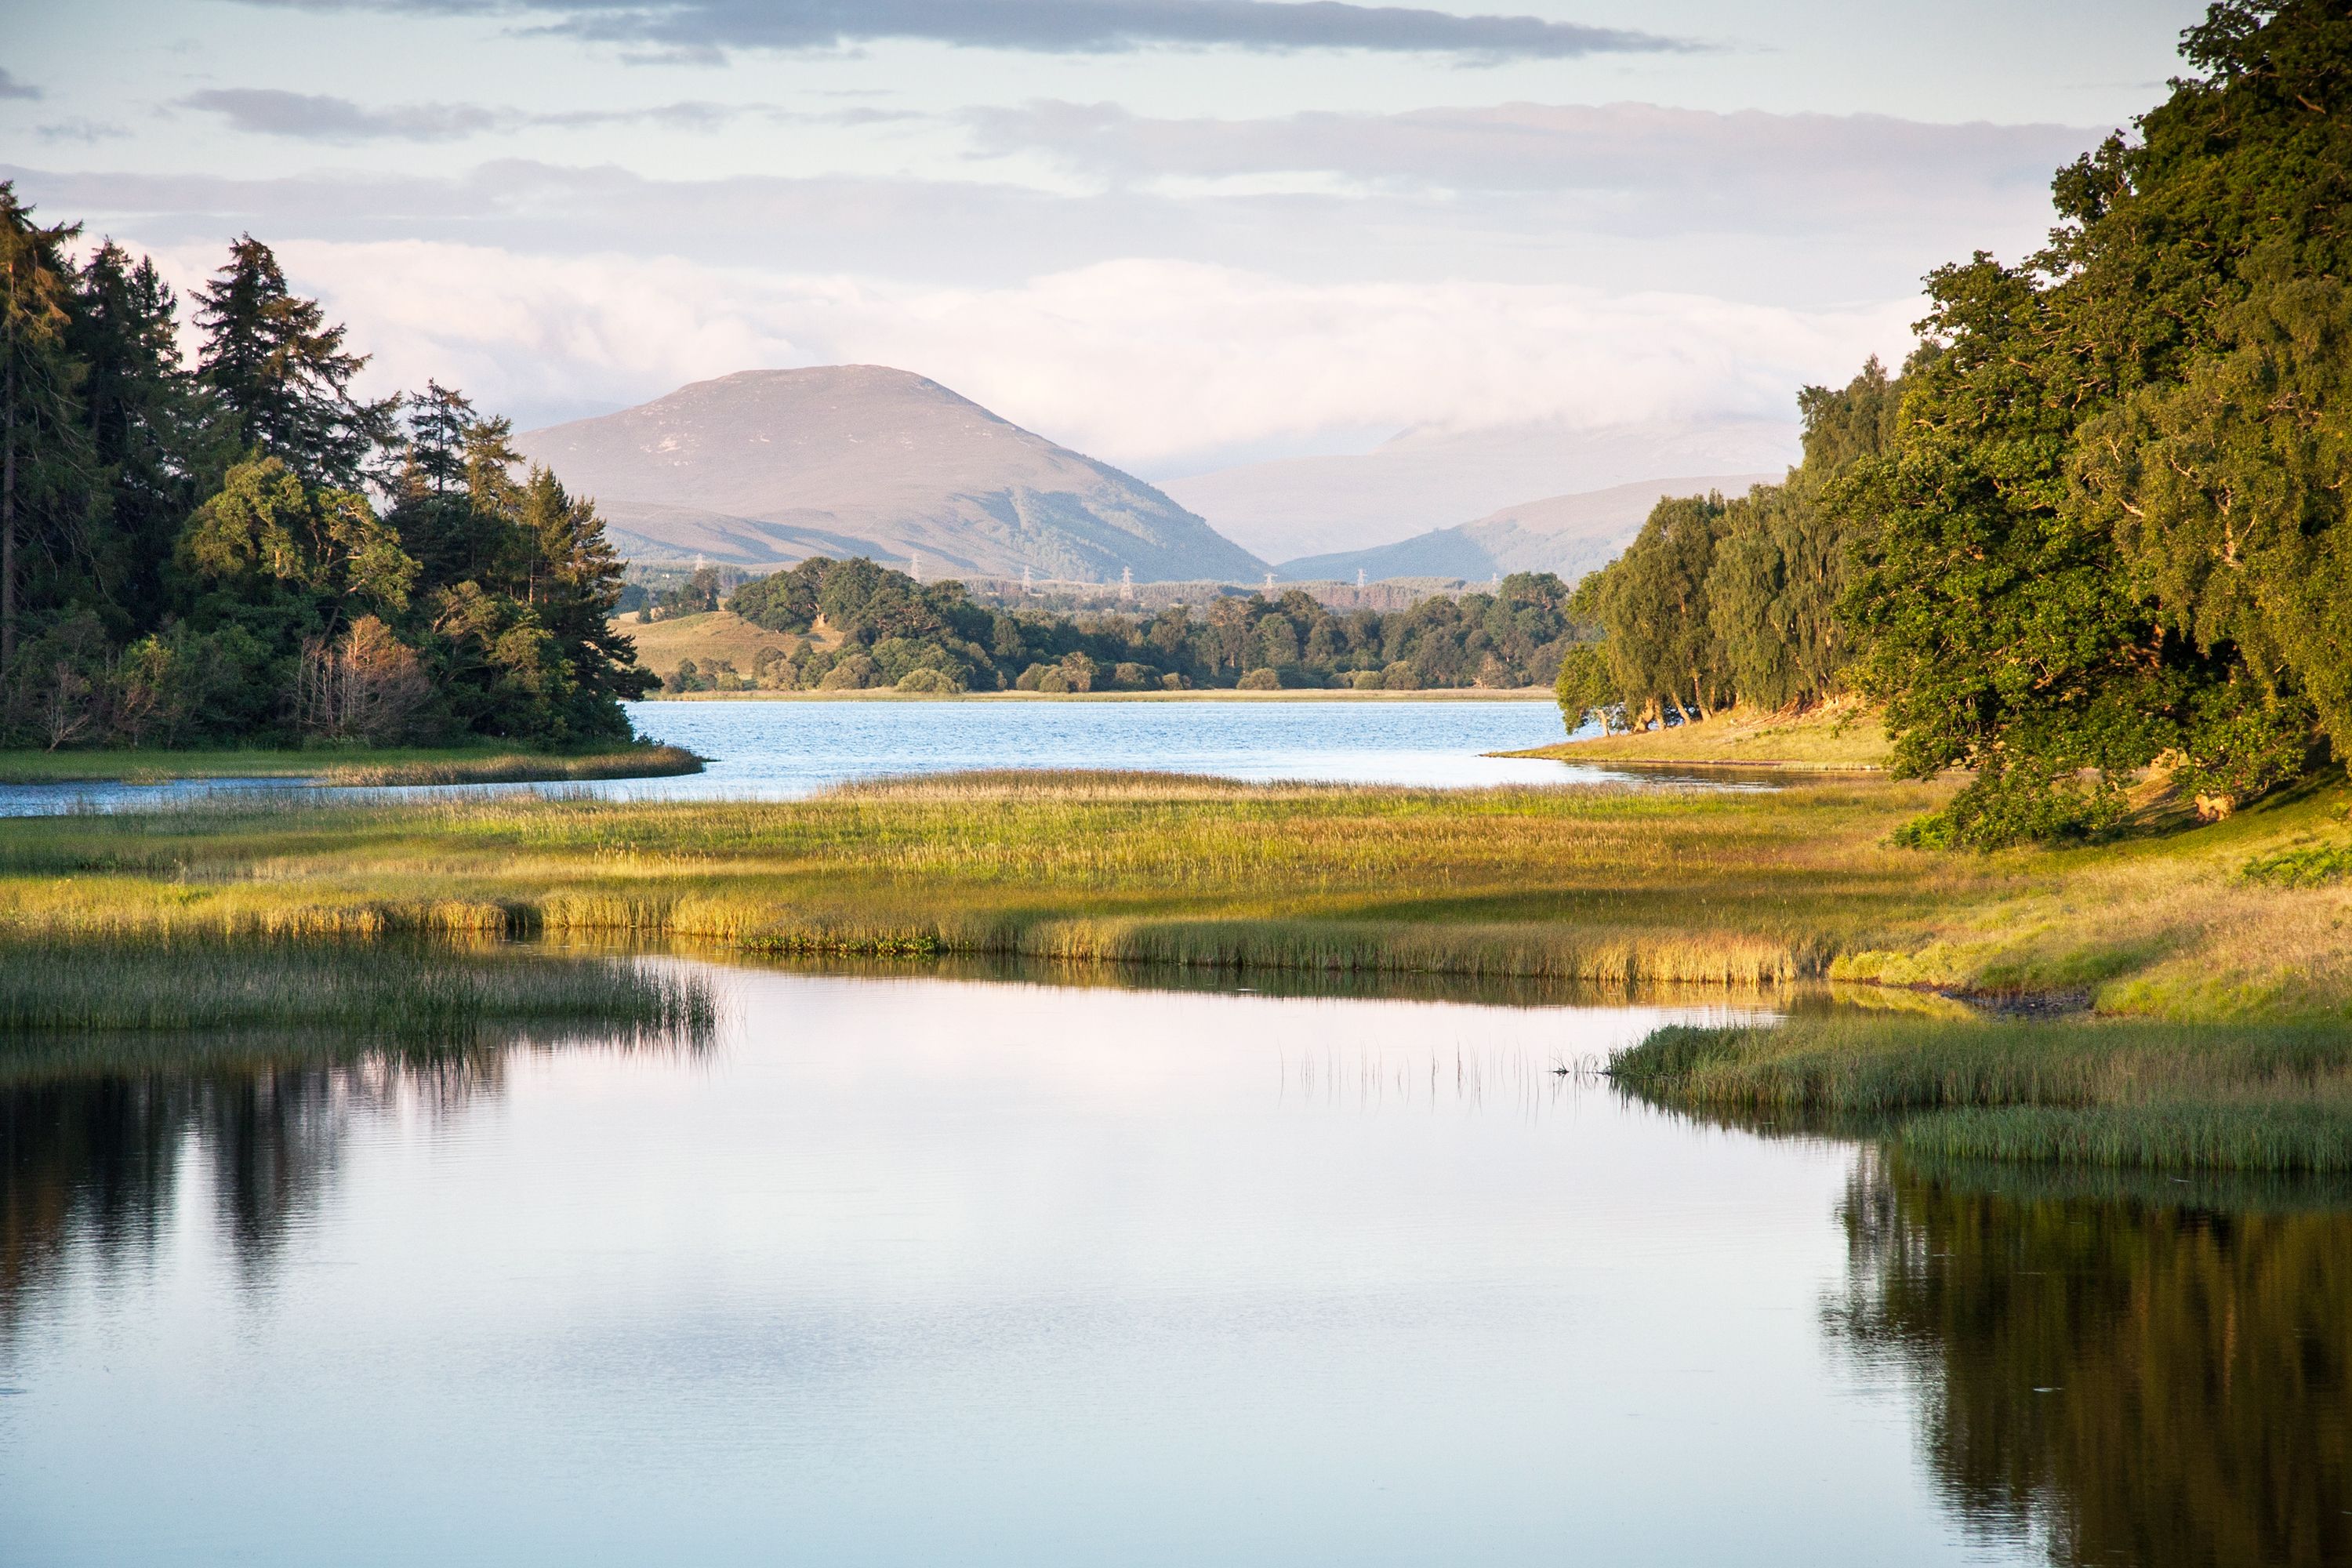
<point>46,472</point>
<point>274,361</point>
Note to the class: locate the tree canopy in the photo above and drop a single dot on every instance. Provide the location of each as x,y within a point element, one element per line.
<point>245,549</point>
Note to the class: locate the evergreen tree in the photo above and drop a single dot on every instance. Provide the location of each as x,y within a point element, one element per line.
<point>46,467</point>
<point>274,362</point>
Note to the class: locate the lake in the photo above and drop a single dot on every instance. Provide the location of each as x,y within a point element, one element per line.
<point>909,1269</point>
<point>772,750</point>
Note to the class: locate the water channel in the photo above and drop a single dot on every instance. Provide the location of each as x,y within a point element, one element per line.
<point>902,1268</point>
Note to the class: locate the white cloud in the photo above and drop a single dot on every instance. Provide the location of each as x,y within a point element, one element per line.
<point>1149,364</point>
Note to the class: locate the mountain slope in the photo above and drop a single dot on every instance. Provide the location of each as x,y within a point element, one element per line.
<point>1567,534</point>
<point>1316,506</point>
<point>770,466</point>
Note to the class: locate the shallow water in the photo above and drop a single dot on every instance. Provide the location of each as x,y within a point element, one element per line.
<point>913,1270</point>
<point>772,750</point>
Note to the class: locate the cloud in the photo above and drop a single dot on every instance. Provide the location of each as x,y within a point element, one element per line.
<point>316,117</point>
<point>1748,159</point>
<point>311,117</point>
<point>11,87</point>
<point>1051,27</point>
<point>1134,361</point>
<point>87,131</point>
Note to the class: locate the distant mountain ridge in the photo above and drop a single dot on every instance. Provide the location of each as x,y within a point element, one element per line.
<point>1571,535</point>
<point>770,466</point>
<point>1300,507</point>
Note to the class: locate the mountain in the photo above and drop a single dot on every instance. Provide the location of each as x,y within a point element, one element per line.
<point>770,466</point>
<point>1567,534</point>
<point>1316,506</point>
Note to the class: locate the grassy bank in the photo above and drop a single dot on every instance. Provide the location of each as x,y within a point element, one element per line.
<point>1839,737</point>
<point>1609,885</point>
<point>353,765</point>
<point>2264,1098</point>
<point>359,992</point>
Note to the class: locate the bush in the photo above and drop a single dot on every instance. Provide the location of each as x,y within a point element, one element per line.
<point>1260,680</point>
<point>933,683</point>
<point>1399,677</point>
<point>1365,680</point>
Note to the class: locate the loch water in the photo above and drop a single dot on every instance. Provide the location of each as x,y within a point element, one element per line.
<point>899,1267</point>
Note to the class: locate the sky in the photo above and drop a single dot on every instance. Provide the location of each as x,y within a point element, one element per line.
<point>1176,234</point>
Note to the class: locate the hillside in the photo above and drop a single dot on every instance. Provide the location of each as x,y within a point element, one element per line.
<point>1569,535</point>
<point>1299,506</point>
<point>770,466</point>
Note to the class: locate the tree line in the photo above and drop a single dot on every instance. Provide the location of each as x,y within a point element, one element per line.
<point>2098,523</point>
<point>244,549</point>
<point>885,629</point>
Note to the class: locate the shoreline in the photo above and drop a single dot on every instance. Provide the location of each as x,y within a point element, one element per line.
<point>1201,694</point>
<point>365,768</point>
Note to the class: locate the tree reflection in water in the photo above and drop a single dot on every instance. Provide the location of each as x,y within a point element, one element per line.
<point>92,1164</point>
<point>2126,1379</point>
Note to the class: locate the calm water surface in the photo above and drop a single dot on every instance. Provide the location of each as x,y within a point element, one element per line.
<point>768,750</point>
<point>922,1272</point>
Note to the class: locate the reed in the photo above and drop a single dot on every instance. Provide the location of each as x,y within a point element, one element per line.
<point>1614,886</point>
<point>366,991</point>
<point>2275,1099</point>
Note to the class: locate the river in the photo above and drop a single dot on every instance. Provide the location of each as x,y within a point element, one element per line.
<point>900,1269</point>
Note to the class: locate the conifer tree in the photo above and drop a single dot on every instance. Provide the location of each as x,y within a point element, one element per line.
<point>274,361</point>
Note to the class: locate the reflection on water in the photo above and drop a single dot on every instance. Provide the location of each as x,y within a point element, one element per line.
<point>914,1269</point>
<point>98,1161</point>
<point>2119,1381</point>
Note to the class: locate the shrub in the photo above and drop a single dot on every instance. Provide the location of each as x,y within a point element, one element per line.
<point>1260,680</point>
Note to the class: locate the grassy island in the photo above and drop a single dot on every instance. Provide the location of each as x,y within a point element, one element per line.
<point>2243,918</point>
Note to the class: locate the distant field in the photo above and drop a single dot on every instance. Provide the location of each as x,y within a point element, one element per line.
<point>1832,739</point>
<point>663,646</point>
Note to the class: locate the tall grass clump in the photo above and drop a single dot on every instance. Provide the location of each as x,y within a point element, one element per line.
<point>2276,1097</point>
<point>521,767</point>
<point>400,992</point>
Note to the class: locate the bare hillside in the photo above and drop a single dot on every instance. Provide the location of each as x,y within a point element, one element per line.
<point>768,467</point>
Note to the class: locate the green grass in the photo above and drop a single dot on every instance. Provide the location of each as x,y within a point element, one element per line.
<point>1604,884</point>
<point>345,764</point>
<point>364,992</point>
<point>2273,1098</point>
<point>1609,886</point>
<point>1834,739</point>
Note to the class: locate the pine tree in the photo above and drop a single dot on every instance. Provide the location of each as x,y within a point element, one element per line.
<point>45,463</point>
<point>274,362</point>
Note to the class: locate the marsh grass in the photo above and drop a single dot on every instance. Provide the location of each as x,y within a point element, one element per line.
<point>2158,1095</point>
<point>522,767</point>
<point>366,992</point>
<point>1572,884</point>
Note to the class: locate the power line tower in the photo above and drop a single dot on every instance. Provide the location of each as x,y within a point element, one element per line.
<point>1127,585</point>
<point>1024,581</point>
<point>1269,584</point>
<point>915,564</point>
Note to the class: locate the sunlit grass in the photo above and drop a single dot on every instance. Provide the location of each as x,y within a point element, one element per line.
<point>1603,884</point>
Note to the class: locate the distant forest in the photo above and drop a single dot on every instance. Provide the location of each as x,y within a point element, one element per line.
<point>892,631</point>
<point>245,551</point>
<point>2098,523</point>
